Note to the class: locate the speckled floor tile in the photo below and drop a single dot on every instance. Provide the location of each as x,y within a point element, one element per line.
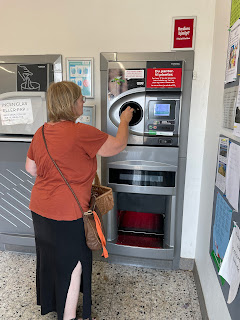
<point>118,292</point>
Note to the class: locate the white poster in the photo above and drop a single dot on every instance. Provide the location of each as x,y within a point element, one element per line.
<point>230,267</point>
<point>236,130</point>
<point>229,103</point>
<point>233,52</point>
<point>222,164</point>
<point>17,111</point>
<point>233,175</point>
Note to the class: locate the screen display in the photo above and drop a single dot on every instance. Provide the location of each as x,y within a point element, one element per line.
<point>162,110</point>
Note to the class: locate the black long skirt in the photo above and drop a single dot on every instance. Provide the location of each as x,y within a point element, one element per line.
<point>59,246</point>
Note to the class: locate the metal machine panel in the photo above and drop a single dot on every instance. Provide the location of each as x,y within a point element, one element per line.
<point>16,228</point>
<point>15,190</point>
<point>162,149</point>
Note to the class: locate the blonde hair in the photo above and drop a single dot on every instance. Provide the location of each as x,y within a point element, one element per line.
<point>61,97</point>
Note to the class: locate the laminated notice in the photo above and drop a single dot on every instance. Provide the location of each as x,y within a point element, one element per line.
<point>17,111</point>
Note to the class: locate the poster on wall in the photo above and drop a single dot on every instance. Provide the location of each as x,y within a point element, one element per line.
<point>221,227</point>
<point>229,103</point>
<point>183,34</point>
<point>230,267</point>
<point>232,53</point>
<point>236,129</point>
<point>233,175</point>
<point>222,163</point>
<point>80,71</point>
<point>88,116</point>
<point>235,11</point>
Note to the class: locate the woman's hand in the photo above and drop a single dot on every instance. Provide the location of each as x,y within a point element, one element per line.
<point>127,114</point>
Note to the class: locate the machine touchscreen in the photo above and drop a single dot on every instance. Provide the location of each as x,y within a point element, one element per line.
<point>161,110</point>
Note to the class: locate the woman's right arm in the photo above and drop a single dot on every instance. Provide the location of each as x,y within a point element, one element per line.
<point>31,167</point>
<point>114,145</point>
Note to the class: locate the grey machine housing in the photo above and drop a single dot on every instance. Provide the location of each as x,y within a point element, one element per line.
<point>162,153</point>
<point>16,227</point>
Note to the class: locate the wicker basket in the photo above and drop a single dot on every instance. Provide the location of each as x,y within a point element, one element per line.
<point>104,196</point>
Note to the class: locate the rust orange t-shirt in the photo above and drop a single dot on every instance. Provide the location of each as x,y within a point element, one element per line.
<point>73,146</point>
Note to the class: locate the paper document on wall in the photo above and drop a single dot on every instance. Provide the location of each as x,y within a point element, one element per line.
<point>17,111</point>
<point>222,164</point>
<point>221,227</point>
<point>229,103</point>
<point>236,129</point>
<point>233,175</point>
<point>230,268</point>
<point>233,52</point>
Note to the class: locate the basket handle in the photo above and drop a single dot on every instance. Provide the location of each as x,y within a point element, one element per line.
<point>97,180</point>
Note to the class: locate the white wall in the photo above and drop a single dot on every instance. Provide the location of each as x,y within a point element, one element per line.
<point>208,278</point>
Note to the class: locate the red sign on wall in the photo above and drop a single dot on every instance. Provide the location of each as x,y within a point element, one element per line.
<point>183,33</point>
<point>164,78</point>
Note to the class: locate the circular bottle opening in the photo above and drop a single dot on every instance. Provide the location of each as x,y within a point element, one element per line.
<point>137,113</point>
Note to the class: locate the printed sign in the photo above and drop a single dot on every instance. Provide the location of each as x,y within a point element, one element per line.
<point>230,268</point>
<point>134,74</point>
<point>32,77</point>
<point>183,33</point>
<point>164,78</point>
<point>88,116</point>
<point>16,112</point>
<point>80,71</point>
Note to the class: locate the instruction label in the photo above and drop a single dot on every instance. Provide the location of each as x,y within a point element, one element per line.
<point>164,78</point>
<point>16,112</point>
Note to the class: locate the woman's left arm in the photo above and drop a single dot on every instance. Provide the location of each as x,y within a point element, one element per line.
<point>31,167</point>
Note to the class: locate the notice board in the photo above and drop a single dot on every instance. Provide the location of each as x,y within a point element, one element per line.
<point>234,307</point>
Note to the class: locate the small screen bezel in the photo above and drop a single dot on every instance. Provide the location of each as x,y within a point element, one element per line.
<point>152,104</point>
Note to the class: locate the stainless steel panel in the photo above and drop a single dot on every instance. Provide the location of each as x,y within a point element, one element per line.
<point>142,165</point>
<point>15,190</point>
<point>8,75</point>
<point>149,253</point>
<point>137,131</point>
<point>104,58</point>
<point>187,56</point>
<point>142,190</point>
<point>168,156</point>
<point>185,113</point>
<point>16,138</point>
<point>8,68</point>
<point>127,65</point>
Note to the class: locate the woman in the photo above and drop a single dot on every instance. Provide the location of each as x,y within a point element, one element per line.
<point>62,254</point>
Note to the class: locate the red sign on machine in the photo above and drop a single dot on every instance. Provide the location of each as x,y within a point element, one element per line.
<point>164,78</point>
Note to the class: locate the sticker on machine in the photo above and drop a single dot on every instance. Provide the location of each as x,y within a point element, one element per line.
<point>134,74</point>
<point>18,111</point>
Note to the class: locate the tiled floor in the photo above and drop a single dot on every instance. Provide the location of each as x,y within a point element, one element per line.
<point>119,292</point>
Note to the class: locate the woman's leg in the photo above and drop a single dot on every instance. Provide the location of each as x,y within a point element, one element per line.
<point>73,293</point>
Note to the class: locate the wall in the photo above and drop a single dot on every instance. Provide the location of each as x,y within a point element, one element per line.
<point>207,274</point>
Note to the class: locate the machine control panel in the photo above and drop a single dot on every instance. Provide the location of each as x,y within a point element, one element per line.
<point>161,125</point>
